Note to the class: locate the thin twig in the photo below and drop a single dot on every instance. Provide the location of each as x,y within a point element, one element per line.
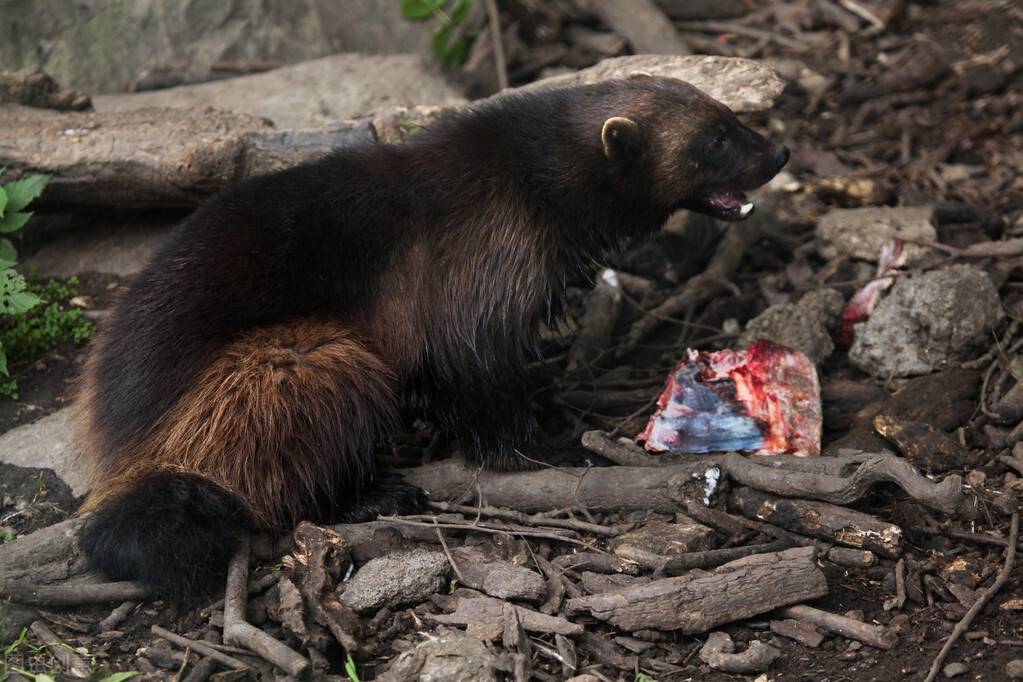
<point>900,584</point>
<point>239,632</point>
<point>494,19</point>
<point>69,660</point>
<point>116,616</point>
<point>493,530</point>
<point>200,647</point>
<point>525,519</point>
<point>964,624</point>
<point>447,553</point>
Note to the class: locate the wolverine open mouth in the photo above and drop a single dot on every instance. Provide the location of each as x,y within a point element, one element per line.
<point>724,205</point>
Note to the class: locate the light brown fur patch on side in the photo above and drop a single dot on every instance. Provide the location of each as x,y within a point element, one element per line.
<point>275,419</point>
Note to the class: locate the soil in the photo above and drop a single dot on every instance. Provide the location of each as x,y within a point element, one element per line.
<point>953,142</point>
<point>46,384</point>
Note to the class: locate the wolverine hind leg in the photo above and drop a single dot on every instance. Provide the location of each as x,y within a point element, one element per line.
<point>279,428</point>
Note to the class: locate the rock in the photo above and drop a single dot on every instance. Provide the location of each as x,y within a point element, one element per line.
<point>396,579</point>
<point>311,94</point>
<point>801,631</point>
<point>448,659</point>
<point>861,232</point>
<point>33,88</point>
<point>100,47</point>
<point>954,669</point>
<point>926,323</point>
<point>1014,669</point>
<point>119,248</point>
<point>46,444</point>
<point>804,325</point>
<point>669,539</point>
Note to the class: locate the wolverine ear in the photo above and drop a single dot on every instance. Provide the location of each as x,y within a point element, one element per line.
<point>620,137</point>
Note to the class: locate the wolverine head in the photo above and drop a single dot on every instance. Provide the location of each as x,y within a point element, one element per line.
<point>685,149</point>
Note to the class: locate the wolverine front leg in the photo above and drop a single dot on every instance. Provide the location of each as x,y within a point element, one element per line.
<point>487,407</point>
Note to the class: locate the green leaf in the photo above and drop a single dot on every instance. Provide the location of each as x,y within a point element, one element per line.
<point>3,361</point>
<point>14,299</point>
<point>21,302</point>
<point>460,11</point>
<point>5,264</point>
<point>351,670</point>
<point>13,221</point>
<point>119,677</point>
<point>7,253</point>
<point>20,193</point>
<point>3,201</point>
<point>420,9</point>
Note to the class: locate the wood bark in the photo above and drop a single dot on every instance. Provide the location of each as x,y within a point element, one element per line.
<point>487,610</point>
<point>51,554</point>
<point>605,488</point>
<point>153,157</point>
<point>821,520</point>
<point>498,578</point>
<point>696,603</point>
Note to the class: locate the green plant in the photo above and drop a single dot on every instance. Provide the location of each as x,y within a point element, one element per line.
<point>450,46</point>
<point>15,299</point>
<point>351,670</point>
<point>41,328</point>
<point>119,677</point>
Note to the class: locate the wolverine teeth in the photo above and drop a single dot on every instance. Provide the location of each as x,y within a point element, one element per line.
<point>746,208</point>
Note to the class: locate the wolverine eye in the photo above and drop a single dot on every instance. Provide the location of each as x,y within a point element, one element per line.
<point>718,142</point>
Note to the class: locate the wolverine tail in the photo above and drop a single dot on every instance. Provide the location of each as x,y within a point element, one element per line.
<point>174,532</point>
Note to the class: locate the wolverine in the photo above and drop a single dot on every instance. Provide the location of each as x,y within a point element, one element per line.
<point>243,379</point>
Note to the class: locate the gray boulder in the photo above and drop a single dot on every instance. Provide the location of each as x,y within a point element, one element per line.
<point>107,45</point>
<point>804,325</point>
<point>47,444</point>
<point>927,323</point>
<point>396,579</point>
<point>861,232</point>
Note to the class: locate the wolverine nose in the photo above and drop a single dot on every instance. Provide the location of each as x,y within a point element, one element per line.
<point>781,156</point>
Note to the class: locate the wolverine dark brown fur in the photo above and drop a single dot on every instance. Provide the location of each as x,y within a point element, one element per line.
<point>245,376</point>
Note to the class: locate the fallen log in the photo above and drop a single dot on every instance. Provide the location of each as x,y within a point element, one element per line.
<point>872,635</point>
<point>51,555</point>
<point>838,480</point>
<point>821,520</point>
<point>604,488</point>
<point>71,594</point>
<point>153,157</point>
<point>697,603</point>
<point>169,157</point>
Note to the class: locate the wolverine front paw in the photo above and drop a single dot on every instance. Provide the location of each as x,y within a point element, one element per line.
<point>387,495</point>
